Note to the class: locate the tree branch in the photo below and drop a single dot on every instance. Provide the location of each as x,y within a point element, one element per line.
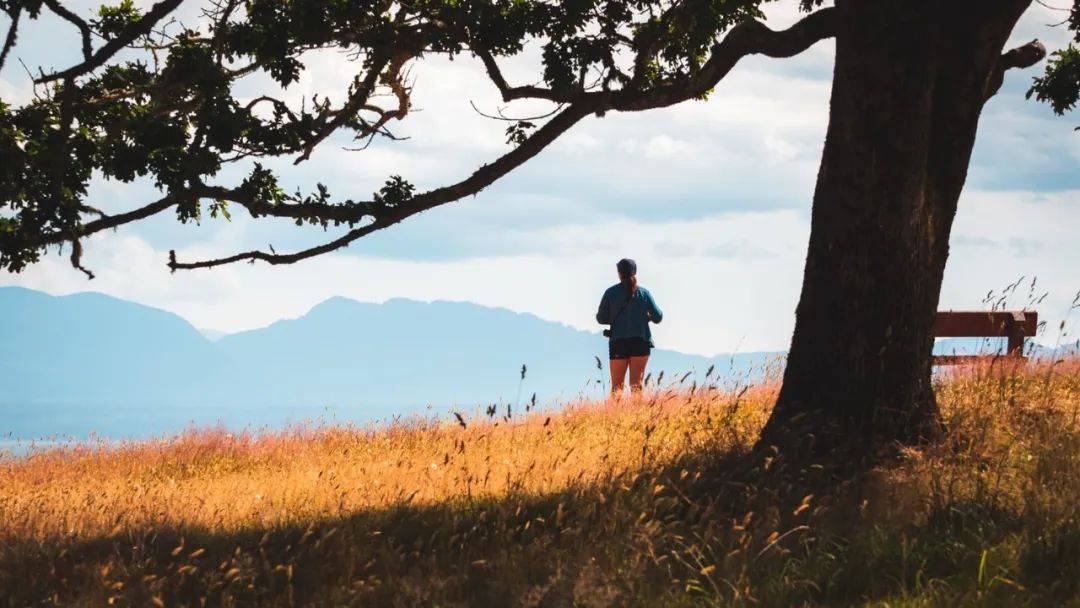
<point>348,213</point>
<point>276,258</point>
<point>1023,56</point>
<point>98,59</point>
<point>510,93</point>
<point>480,179</point>
<point>84,28</point>
<point>110,221</point>
<point>13,29</point>
<point>357,99</point>
<point>750,37</point>
<point>76,259</point>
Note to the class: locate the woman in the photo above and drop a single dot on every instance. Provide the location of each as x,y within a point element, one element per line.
<point>628,308</point>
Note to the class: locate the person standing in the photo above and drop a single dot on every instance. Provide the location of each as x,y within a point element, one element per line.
<point>628,308</point>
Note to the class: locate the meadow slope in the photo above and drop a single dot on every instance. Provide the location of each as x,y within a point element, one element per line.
<point>654,501</point>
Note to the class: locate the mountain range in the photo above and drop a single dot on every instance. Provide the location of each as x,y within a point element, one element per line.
<point>87,362</point>
<point>89,358</point>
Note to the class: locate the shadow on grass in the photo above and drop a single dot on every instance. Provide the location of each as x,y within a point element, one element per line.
<point>506,550</point>
<point>730,528</point>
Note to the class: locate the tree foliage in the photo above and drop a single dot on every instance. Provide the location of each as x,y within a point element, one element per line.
<point>1060,84</point>
<point>154,98</point>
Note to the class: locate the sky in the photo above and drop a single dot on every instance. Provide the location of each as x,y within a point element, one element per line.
<point>712,198</point>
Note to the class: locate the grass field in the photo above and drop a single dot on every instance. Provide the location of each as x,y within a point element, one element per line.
<point>654,501</point>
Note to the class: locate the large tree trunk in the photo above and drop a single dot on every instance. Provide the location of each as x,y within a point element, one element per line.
<point>910,81</point>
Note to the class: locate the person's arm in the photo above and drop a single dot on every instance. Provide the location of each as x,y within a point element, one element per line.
<point>655,314</point>
<point>604,313</point>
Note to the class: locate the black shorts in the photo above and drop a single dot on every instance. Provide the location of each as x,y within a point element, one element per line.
<point>624,348</point>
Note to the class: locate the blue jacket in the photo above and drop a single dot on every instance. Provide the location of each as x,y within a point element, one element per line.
<point>633,321</point>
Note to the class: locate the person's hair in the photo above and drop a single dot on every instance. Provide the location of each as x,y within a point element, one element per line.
<point>628,274</point>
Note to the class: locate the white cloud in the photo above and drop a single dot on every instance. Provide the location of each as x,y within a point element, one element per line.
<point>16,94</point>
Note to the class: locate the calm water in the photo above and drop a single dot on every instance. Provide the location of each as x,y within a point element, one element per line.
<point>26,427</point>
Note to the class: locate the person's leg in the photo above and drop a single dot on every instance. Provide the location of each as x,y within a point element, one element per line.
<point>637,372</point>
<point>618,375</point>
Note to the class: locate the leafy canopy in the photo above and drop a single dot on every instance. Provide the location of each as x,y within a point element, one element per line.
<point>171,114</point>
<point>154,98</point>
<point>1060,84</point>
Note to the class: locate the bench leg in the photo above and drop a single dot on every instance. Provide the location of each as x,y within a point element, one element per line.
<point>1015,329</point>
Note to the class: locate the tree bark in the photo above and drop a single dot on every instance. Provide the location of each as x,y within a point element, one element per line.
<point>910,82</point>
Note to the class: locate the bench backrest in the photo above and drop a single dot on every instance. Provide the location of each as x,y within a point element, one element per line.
<point>1012,324</point>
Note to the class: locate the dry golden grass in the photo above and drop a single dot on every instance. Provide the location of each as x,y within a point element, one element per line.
<point>649,501</point>
<point>222,482</point>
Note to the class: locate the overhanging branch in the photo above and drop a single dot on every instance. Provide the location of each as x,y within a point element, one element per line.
<point>480,179</point>
<point>345,213</point>
<point>129,35</point>
<point>275,258</point>
<point>84,28</point>
<point>510,93</point>
<point>364,217</point>
<point>13,30</point>
<point>110,221</point>
<point>357,99</point>
<point>750,37</point>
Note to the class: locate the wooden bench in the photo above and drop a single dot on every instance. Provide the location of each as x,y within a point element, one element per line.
<point>1012,324</point>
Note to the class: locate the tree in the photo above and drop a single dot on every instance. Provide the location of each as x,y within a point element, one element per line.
<point>910,81</point>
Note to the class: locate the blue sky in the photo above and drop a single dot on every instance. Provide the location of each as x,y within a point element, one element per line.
<point>712,198</point>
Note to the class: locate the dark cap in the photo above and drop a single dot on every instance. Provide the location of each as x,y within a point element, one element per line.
<point>627,267</point>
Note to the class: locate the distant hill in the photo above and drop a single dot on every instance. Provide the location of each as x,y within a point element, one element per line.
<point>87,362</point>
<point>378,360</point>
<point>89,348</point>
<point>410,353</point>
